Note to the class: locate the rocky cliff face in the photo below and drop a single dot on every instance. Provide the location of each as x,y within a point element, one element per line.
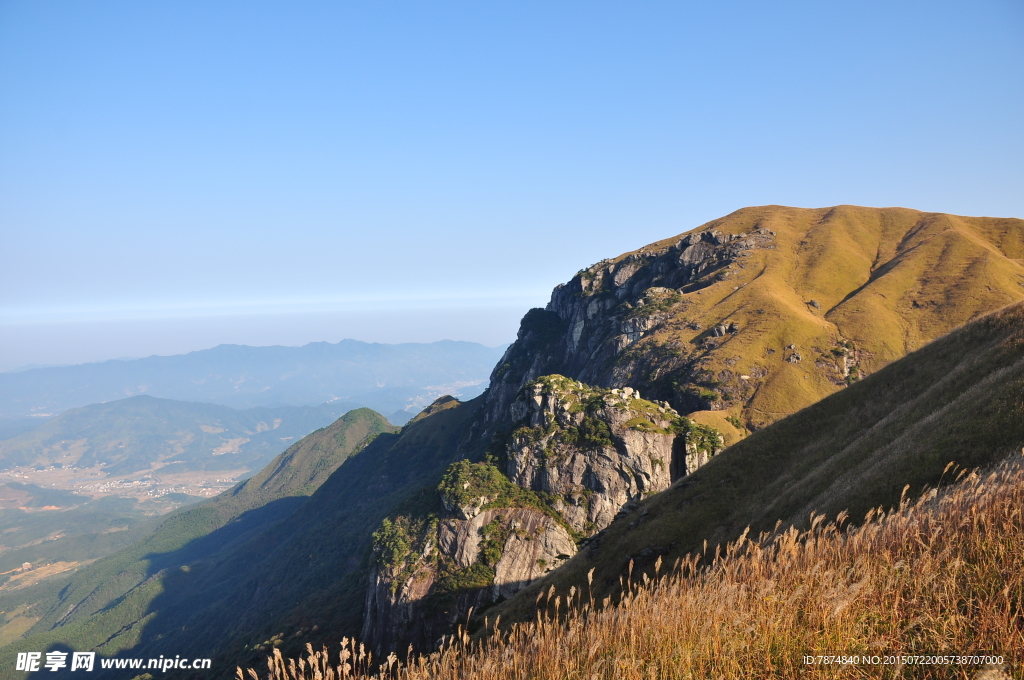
<point>482,540</point>
<point>591,322</point>
<point>576,456</point>
<point>590,451</point>
<point>758,314</point>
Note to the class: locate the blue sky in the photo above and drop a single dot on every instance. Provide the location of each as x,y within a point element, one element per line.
<point>178,174</point>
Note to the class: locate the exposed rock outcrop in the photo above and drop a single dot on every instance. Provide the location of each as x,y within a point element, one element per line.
<point>576,456</point>
<point>590,323</point>
<point>484,540</point>
<point>591,451</point>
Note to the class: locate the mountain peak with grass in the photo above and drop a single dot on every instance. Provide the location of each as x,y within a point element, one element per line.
<point>956,404</point>
<point>760,313</point>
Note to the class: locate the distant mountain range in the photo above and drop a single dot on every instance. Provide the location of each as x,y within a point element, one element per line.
<point>397,380</point>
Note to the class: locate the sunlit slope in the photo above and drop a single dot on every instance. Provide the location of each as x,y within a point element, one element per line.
<point>958,400</point>
<point>887,280</point>
<point>809,300</point>
<point>107,605</point>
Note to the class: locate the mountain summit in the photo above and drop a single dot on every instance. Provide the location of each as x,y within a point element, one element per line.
<point>624,382</point>
<point>756,315</point>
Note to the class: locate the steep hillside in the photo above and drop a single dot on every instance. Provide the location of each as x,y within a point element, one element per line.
<point>767,310</point>
<point>237,583</point>
<point>957,400</point>
<point>578,455</point>
<point>388,378</point>
<point>709,324</point>
<point>942,573</point>
<point>144,433</point>
<point>107,605</point>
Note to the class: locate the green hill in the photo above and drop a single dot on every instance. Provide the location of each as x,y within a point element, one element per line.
<point>957,400</point>
<point>107,604</point>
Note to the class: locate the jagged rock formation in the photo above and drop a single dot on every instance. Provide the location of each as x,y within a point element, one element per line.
<point>577,456</point>
<point>767,310</point>
<point>610,306</point>
<point>590,451</point>
<point>474,540</point>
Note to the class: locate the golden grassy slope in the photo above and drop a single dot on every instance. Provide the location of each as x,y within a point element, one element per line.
<point>944,576</point>
<point>889,280</point>
<point>959,399</point>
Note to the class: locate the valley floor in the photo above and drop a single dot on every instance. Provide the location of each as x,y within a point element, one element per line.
<point>143,485</point>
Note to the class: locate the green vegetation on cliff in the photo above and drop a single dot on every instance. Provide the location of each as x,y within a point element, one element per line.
<point>402,538</point>
<point>702,438</point>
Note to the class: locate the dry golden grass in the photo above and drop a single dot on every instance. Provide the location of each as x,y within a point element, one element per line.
<point>944,575</point>
<point>887,280</point>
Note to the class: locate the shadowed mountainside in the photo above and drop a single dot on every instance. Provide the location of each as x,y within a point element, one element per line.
<point>108,604</point>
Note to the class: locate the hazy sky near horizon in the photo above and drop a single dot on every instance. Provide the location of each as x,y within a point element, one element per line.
<point>174,175</point>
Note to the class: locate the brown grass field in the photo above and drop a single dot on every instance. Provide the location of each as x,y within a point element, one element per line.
<point>940,576</point>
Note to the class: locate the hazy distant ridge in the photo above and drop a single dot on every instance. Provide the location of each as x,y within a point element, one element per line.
<point>386,377</point>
